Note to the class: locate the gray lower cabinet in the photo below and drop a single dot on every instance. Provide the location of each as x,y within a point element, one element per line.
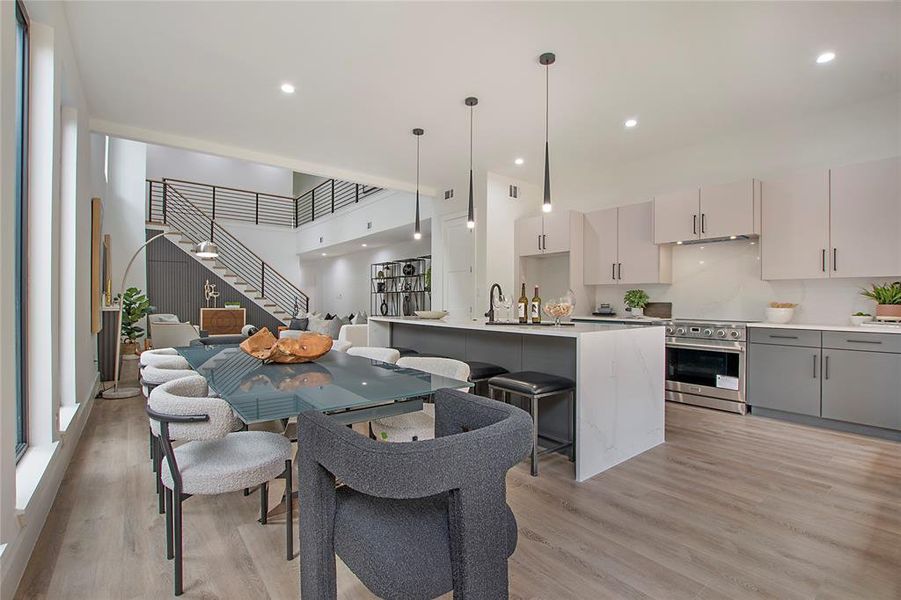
<point>785,378</point>
<point>862,387</point>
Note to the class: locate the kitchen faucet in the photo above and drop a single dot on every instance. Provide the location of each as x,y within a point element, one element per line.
<point>500,293</point>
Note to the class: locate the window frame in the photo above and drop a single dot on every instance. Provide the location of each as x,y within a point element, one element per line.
<point>23,60</point>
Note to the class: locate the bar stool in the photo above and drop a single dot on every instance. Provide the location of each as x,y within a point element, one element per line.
<point>480,372</point>
<point>406,351</point>
<point>535,386</point>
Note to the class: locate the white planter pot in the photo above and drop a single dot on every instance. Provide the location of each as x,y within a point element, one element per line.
<point>779,315</point>
<point>860,320</point>
<point>637,312</point>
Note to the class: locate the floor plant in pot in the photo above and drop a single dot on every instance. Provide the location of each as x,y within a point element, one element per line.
<point>135,306</point>
<point>888,300</point>
<point>635,301</point>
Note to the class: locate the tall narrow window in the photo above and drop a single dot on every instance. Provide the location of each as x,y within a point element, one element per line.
<point>21,201</point>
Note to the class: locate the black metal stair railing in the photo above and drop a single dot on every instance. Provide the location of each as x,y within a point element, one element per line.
<point>220,202</point>
<point>169,206</point>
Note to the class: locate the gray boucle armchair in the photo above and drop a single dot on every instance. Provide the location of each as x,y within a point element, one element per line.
<point>413,519</point>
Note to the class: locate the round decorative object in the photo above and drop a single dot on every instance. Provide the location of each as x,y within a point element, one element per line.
<point>380,274</point>
<point>249,330</point>
<point>431,314</point>
<point>305,348</point>
<point>409,269</point>
<point>408,285</point>
<point>384,308</point>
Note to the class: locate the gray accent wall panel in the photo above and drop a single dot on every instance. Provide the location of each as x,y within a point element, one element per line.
<point>175,285</point>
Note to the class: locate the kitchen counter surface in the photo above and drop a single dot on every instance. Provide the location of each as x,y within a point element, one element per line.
<point>815,327</point>
<point>572,331</point>
<point>615,319</point>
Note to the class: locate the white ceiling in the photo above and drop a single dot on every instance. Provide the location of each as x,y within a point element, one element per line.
<point>389,237</point>
<point>367,73</point>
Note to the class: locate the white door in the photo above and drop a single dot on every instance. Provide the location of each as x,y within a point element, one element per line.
<point>639,256</point>
<point>727,209</point>
<point>599,247</point>
<point>676,216</point>
<point>459,247</point>
<point>555,234</point>
<point>794,236</point>
<point>528,236</point>
<point>865,204</point>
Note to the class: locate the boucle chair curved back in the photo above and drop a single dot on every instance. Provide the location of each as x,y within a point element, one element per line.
<point>164,361</point>
<point>477,441</point>
<point>447,367</point>
<point>188,396</point>
<point>357,335</point>
<point>388,355</point>
<point>341,346</point>
<point>154,375</point>
<point>148,357</point>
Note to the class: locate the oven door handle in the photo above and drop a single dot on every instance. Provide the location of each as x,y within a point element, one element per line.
<point>710,348</point>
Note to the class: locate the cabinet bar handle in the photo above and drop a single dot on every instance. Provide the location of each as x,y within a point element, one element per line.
<point>783,337</point>
<point>613,271</point>
<point>835,259</point>
<point>826,369</point>
<point>539,241</point>
<point>544,242</point>
<point>863,341</point>
<point>824,260</point>
<point>703,222</point>
<point>814,366</point>
<point>620,269</point>
<point>694,224</point>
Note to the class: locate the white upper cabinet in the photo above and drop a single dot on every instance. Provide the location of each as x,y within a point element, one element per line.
<point>544,234</point>
<point>865,204</point>
<point>528,236</point>
<point>676,216</point>
<point>619,247</point>
<point>728,210</point>
<point>794,240</point>
<point>600,247</point>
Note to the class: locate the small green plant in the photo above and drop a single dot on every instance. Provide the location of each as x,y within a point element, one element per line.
<point>887,293</point>
<point>135,306</point>
<point>636,299</point>
<point>861,314</point>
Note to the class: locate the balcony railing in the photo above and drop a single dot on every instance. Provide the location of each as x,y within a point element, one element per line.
<point>221,202</point>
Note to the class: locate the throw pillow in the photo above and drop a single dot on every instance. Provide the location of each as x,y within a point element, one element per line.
<point>350,318</point>
<point>329,316</point>
<point>165,318</point>
<point>329,327</point>
<point>299,324</point>
<point>360,318</point>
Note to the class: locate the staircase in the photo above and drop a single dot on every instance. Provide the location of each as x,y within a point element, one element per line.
<point>170,210</point>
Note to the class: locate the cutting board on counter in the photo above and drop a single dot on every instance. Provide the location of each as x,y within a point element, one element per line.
<point>659,310</point>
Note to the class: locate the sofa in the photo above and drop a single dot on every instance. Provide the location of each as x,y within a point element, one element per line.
<point>166,331</point>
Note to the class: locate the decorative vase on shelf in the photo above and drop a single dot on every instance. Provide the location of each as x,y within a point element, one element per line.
<point>383,308</point>
<point>637,312</point>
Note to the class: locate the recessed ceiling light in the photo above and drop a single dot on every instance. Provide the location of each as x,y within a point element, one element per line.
<point>287,88</point>
<point>630,123</point>
<point>678,243</point>
<point>825,57</point>
<point>364,245</point>
<point>324,254</point>
<point>518,161</point>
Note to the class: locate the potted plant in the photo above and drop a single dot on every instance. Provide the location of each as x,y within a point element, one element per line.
<point>635,301</point>
<point>859,318</point>
<point>135,306</point>
<point>888,299</point>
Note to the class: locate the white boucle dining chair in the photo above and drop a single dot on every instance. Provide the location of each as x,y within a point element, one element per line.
<point>419,425</point>
<point>387,355</point>
<point>212,459</point>
<point>163,356</point>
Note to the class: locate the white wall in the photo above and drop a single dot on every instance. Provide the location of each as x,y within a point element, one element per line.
<point>501,213</point>
<point>275,245</point>
<point>174,163</point>
<point>304,183</point>
<point>341,284</point>
<point>28,489</point>
<point>123,210</point>
<point>722,281</point>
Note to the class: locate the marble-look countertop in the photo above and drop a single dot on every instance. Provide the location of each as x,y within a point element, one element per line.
<point>615,319</point>
<point>574,331</point>
<point>815,327</point>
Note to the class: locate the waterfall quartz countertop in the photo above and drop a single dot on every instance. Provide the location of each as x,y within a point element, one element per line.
<point>618,371</point>
<point>845,328</point>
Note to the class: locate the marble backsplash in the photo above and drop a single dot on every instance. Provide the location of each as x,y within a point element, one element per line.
<point>722,281</point>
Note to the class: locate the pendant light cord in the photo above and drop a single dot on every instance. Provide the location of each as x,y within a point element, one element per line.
<point>470,138</point>
<point>547,101</point>
<point>417,165</point>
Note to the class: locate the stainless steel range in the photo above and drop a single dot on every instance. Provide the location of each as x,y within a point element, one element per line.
<point>705,363</point>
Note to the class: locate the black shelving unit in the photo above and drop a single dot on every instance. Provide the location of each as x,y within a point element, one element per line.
<point>398,287</point>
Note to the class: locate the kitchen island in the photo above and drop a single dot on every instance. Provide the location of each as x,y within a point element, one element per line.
<point>618,370</point>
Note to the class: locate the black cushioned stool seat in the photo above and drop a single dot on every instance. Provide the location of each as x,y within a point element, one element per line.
<point>480,373</point>
<point>535,386</point>
<point>406,351</point>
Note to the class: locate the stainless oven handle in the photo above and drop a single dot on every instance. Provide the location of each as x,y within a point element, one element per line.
<point>711,347</point>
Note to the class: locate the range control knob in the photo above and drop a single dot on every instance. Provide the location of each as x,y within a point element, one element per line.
<point>721,333</point>
<point>735,335</point>
<point>669,330</point>
<point>680,331</point>
<point>708,332</point>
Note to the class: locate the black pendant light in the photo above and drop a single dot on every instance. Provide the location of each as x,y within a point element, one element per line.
<point>417,234</point>
<point>471,215</point>
<point>547,59</point>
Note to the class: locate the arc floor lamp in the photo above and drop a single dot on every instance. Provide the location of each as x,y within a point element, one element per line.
<point>205,249</point>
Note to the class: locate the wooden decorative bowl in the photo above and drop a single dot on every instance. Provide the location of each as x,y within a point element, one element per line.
<point>308,347</point>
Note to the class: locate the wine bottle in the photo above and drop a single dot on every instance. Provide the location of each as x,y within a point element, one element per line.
<point>536,307</point>
<point>522,306</point>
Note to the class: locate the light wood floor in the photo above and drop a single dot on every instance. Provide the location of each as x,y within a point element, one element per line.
<point>729,507</point>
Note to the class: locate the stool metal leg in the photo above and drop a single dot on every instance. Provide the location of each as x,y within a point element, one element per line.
<point>534,436</point>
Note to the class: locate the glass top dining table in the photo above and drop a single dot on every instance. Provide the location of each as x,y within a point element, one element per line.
<point>336,383</point>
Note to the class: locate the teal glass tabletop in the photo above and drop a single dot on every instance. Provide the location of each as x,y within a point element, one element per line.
<point>334,383</point>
